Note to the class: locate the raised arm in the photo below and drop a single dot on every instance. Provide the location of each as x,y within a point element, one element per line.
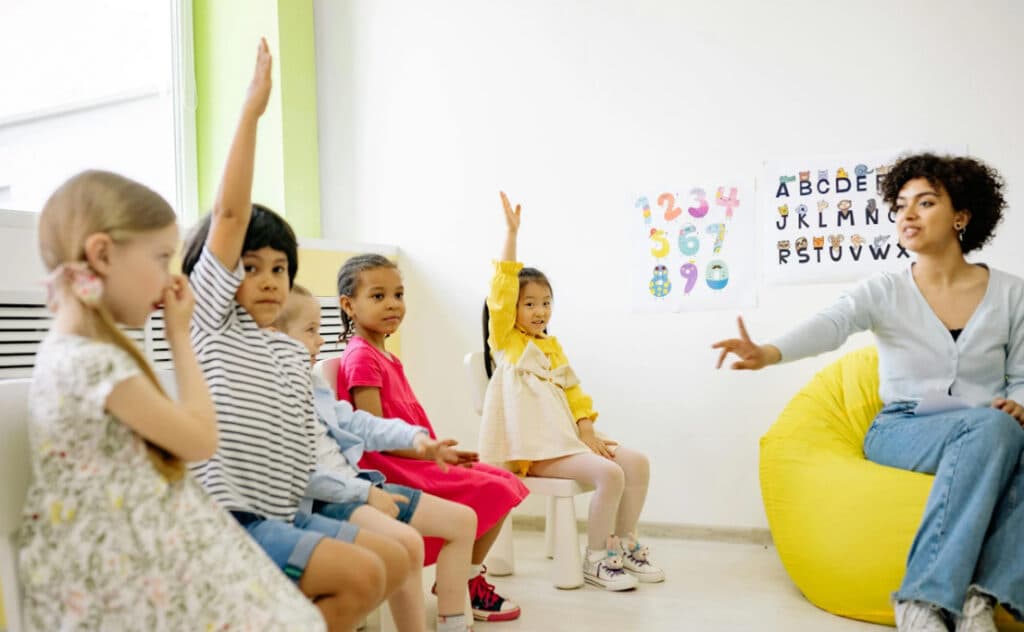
<point>233,205</point>
<point>512,218</point>
<point>504,292</point>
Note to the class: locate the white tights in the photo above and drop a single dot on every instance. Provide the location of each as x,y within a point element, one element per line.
<point>621,489</point>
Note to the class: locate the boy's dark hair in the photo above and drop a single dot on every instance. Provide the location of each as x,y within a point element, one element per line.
<point>971,185</point>
<point>348,283</point>
<point>266,229</point>
<point>526,275</point>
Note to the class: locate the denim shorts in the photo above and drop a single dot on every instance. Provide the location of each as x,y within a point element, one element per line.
<point>343,511</point>
<point>290,544</point>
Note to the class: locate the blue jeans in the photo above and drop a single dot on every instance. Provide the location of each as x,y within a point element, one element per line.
<point>291,544</point>
<point>972,532</point>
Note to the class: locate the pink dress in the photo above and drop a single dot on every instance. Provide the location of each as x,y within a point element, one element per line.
<point>491,491</point>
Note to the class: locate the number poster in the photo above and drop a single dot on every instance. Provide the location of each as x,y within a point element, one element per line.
<point>693,248</point>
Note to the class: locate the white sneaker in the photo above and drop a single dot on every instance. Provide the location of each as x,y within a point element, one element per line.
<point>604,568</point>
<point>979,614</point>
<point>636,561</point>
<point>917,616</point>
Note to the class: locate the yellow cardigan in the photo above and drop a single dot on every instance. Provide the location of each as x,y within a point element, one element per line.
<point>507,337</point>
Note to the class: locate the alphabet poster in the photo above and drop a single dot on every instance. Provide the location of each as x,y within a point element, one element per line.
<point>693,247</point>
<point>823,219</point>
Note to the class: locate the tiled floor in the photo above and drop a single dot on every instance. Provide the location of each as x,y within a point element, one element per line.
<point>711,586</point>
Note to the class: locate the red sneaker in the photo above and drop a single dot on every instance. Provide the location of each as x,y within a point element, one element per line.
<point>489,605</point>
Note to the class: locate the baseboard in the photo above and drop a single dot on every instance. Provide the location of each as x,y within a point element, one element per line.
<point>669,530</point>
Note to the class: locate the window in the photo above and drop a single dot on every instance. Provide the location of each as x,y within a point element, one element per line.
<point>101,84</point>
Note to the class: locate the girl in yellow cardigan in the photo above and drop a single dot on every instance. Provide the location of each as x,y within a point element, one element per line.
<point>538,421</point>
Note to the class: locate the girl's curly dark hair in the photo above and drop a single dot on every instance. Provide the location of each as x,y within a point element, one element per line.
<point>972,186</point>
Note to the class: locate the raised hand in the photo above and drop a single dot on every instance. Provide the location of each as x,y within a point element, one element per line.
<point>751,356</point>
<point>259,88</point>
<point>512,217</point>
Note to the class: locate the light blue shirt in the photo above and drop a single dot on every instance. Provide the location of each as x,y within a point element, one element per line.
<point>355,431</point>
<point>916,353</point>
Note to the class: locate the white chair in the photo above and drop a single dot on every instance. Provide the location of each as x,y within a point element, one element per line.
<point>560,539</point>
<point>15,472</point>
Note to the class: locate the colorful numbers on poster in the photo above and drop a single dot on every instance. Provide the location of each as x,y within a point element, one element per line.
<point>668,201</point>
<point>689,272</point>
<point>659,244</point>
<point>701,209</point>
<point>718,230</point>
<point>689,242</point>
<point>646,206</point>
<point>730,201</point>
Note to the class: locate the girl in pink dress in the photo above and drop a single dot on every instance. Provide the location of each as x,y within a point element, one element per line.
<point>372,379</point>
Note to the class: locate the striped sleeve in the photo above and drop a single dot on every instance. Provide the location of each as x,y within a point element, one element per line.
<point>214,287</point>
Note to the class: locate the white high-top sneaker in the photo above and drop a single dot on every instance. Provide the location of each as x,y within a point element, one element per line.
<point>604,567</point>
<point>636,561</point>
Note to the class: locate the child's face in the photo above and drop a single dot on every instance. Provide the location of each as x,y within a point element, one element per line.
<point>534,309</point>
<point>138,273</point>
<point>379,302</point>
<point>265,288</point>
<point>304,325</point>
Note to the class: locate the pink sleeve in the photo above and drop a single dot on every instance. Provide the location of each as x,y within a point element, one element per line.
<point>361,368</point>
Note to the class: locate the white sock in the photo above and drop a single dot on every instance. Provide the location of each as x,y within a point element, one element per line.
<point>451,623</point>
<point>474,570</point>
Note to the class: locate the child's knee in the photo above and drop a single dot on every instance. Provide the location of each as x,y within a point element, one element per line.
<point>370,589</point>
<point>465,520</point>
<point>396,561</point>
<point>412,541</point>
<point>611,478</point>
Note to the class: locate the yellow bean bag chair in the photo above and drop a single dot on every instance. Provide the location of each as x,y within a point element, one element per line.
<point>842,524</point>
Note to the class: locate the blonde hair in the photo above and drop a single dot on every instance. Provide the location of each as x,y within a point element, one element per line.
<point>103,202</point>
<point>288,313</point>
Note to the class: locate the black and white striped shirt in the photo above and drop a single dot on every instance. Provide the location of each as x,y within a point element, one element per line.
<point>261,388</point>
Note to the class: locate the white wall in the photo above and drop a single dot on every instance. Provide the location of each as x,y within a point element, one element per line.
<point>428,109</point>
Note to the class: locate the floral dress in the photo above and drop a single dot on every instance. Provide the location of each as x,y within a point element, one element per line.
<point>107,543</point>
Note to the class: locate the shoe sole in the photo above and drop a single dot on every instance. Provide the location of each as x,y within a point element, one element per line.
<point>647,578</point>
<point>608,587</point>
<point>511,615</point>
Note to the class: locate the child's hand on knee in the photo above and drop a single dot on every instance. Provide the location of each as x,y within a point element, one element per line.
<point>1011,408</point>
<point>596,444</point>
<point>384,502</point>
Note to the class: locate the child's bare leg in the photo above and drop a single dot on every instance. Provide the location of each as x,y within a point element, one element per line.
<point>456,524</point>
<point>396,560</point>
<point>406,602</point>
<point>485,541</point>
<point>344,581</point>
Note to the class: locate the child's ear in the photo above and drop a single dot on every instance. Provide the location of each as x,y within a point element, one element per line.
<point>345,302</point>
<point>97,252</point>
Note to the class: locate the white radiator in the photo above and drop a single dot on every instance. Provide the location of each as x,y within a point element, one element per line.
<point>25,320</point>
